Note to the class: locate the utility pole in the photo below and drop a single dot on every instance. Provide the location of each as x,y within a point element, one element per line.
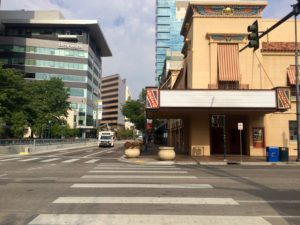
<point>251,44</point>
<point>296,13</point>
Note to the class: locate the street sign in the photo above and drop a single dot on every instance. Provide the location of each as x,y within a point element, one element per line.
<point>240,126</point>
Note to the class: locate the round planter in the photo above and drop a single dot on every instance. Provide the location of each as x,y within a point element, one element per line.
<point>166,153</point>
<point>132,152</point>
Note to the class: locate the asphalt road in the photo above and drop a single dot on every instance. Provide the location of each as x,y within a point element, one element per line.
<point>92,186</point>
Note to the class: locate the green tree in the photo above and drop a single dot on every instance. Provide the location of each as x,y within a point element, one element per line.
<point>13,115</point>
<point>48,103</point>
<point>134,110</point>
<point>30,104</point>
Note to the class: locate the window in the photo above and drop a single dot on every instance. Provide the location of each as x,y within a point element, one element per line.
<point>228,85</point>
<point>258,137</point>
<point>293,130</point>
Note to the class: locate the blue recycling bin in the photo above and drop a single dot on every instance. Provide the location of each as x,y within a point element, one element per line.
<point>272,154</point>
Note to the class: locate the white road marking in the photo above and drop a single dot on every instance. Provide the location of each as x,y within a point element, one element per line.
<point>10,159</point>
<point>67,152</point>
<point>109,152</point>
<point>92,161</point>
<point>3,175</point>
<point>145,200</point>
<point>50,160</point>
<point>137,171</point>
<point>96,153</point>
<point>169,186</point>
<point>136,177</point>
<point>114,219</point>
<point>70,160</point>
<point>135,167</point>
<point>28,160</point>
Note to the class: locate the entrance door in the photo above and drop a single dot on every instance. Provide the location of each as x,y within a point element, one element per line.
<point>234,141</point>
<point>232,136</point>
<point>217,143</point>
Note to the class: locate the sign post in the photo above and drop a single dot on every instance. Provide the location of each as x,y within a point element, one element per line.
<point>240,128</point>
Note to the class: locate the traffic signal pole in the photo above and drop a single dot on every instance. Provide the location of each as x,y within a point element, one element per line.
<point>295,13</point>
<point>276,24</point>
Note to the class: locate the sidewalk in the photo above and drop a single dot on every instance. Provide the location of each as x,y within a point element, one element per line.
<point>151,157</point>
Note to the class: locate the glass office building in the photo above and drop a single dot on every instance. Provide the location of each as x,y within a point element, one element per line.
<point>44,45</point>
<point>169,19</point>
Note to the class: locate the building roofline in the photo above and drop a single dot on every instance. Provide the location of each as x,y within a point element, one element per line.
<point>92,25</point>
<point>190,11</point>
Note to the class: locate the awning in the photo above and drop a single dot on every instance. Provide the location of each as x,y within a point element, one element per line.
<point>291,71</point>
<point>228,62</point>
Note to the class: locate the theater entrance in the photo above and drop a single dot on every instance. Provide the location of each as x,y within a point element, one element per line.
<point>225,136</point>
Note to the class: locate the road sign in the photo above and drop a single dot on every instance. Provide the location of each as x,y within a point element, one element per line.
<point>240,126</point>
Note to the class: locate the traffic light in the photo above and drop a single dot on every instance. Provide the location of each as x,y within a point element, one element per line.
<point>253,37</point>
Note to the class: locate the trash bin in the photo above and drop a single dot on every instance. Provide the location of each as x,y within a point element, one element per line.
<point>272,154</point>
<point>283,154</point>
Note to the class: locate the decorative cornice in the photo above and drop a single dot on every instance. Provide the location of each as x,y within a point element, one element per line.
<point>227,38</point>
<point>227,11</point>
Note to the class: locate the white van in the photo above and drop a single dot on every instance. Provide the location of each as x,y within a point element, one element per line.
<point>106,138</point>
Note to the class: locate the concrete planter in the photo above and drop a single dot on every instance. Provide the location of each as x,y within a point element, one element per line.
<point>132,152</point>
<point>166,153</point>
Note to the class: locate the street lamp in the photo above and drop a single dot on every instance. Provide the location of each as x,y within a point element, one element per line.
<point>49,129</point>
<point>296,12</point>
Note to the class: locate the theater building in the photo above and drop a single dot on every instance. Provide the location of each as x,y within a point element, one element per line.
<point>220,89</point>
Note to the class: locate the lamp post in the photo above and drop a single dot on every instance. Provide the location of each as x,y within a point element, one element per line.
<point>296,12</point>
<point>49,129</point>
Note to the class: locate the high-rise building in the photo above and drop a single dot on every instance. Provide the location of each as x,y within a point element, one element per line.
<point>113,95</point>
<point>44,45</point>
<point>169,19</point>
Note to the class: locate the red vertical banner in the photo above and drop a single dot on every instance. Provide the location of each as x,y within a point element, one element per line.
<point>152,98</point>
<point>283,98</point>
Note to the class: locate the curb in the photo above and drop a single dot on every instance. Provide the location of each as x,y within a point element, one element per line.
<point>143,161</point>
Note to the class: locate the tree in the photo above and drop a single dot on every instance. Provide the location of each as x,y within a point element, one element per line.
<point>13,115</point>
<point>30,104</point>
<point>48,103</point>
<point>134,110</point>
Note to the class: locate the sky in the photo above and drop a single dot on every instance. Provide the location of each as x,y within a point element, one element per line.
<point>129,28</point>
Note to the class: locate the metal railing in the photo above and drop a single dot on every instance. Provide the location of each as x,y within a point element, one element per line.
<point>45,142</point>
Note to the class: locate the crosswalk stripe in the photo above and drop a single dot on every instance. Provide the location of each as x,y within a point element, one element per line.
<point>171,186</point>
<point>92,161</point>
<point>104,219</point>
<point>50,160</point>
<point>148,166</point>
<point>70,160</point>
<point>136,171</point>
<point>137,168</point>
<point>145,200</point>
<point>28,160</point>
<point>11,159</point>
<point>136,177</point>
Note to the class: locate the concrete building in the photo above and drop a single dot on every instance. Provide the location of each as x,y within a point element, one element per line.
<point>113,95</point>
<point>219,89</point>
<point>43,44</point>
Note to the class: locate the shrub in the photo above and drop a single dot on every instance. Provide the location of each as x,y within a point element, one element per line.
<point>133,144</point>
